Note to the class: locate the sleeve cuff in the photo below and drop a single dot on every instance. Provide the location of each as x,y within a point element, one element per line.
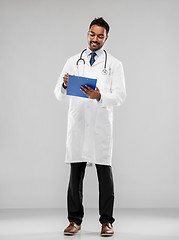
<point>63,90</point>
<point>101,99</point>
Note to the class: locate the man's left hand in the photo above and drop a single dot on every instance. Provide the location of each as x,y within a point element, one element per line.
<point>91,93</point>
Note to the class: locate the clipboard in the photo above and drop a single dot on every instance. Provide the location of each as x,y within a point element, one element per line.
<point>75,82</point>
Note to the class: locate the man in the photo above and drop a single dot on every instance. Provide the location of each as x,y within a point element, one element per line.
<point>90,125</point>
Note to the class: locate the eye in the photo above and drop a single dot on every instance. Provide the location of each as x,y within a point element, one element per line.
<point>100,37</point>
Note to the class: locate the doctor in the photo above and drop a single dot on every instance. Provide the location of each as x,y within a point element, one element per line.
<point>90,125</point>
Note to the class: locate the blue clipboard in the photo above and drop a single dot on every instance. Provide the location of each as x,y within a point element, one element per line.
<point>75,82</point>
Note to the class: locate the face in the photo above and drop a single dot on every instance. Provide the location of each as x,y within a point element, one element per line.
<point>97,36</point>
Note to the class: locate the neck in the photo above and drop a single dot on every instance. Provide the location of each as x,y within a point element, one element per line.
<point>92,50</point>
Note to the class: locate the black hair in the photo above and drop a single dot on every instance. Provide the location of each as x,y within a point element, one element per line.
<point>100,22</point>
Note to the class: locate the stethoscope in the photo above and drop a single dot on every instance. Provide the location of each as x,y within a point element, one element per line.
<point>104,71</point>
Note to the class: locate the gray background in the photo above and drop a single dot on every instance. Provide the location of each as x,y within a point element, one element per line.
<point>36,39</point>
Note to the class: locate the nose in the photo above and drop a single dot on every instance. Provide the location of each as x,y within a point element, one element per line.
<point>95,38</point>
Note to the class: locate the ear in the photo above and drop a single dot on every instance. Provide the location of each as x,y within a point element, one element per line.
<point>105,39</point>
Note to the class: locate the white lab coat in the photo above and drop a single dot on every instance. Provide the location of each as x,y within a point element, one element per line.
<point>90,123</point>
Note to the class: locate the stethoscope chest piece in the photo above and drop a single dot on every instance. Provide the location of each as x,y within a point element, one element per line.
<point>104,71</point>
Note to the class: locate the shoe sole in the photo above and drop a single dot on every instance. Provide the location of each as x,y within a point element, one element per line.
<point>68,233</point>
<point>106,234</point>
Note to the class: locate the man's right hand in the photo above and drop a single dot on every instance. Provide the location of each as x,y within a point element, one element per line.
<point>65,80</point>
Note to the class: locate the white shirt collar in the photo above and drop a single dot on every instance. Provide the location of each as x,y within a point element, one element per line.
<point>98,52</point>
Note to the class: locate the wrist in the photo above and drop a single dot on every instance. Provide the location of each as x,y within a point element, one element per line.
<point>98,99</point>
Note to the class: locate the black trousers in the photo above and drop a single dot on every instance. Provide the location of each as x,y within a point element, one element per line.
<point>75,193</point>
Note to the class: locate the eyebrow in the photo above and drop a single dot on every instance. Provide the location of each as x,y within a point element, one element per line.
<point>97,34</point>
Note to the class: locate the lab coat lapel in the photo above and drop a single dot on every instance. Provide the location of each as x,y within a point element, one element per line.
<point>99,59</point>
<point>86,60</point>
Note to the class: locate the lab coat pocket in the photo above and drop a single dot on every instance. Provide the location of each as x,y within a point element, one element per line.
<point>105,82</point>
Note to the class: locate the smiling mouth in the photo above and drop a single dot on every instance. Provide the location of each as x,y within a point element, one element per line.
<point>94,44</point>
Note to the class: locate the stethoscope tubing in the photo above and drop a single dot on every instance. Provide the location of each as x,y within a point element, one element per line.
<point>82,59</point>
